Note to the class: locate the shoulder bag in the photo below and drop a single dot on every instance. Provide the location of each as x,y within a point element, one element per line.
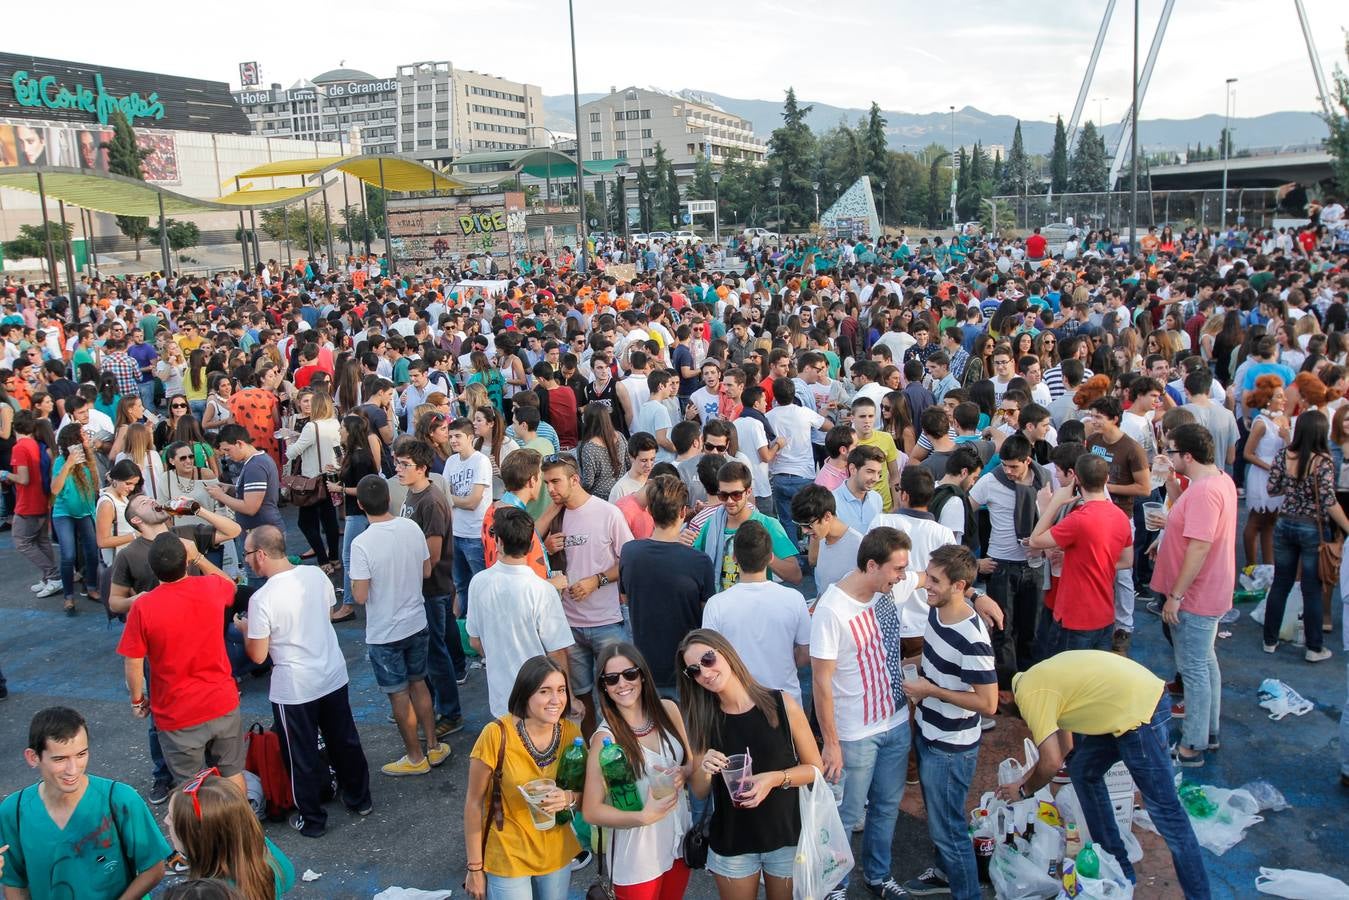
<point>602,888</point>
<point>306,491</point>
<point>1331,550</point>
<point>496,805</point>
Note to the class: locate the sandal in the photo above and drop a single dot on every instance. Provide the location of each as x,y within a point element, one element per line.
<point>308,554</point>
<point>343,617</point>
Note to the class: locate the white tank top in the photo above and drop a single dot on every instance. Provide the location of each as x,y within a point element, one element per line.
<point>641,854</point>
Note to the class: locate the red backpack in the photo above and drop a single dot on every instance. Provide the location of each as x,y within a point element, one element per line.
<point>263,759</point>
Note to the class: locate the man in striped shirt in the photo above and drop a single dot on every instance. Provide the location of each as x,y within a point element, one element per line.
<point>959,683</point>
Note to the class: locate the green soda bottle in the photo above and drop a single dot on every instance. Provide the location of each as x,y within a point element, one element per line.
<point>571,774</point>
<point>619,778</point>
<point>1195,801</point>
<point>1088,864</point>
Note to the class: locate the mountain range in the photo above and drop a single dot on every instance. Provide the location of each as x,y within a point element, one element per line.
<point>914,131</point>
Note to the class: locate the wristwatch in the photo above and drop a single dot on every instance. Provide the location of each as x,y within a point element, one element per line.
<point>602,578</point>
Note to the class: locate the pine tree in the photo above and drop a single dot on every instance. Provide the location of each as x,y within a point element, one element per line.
<point>791,157</point>
<point>1338,124</point>
<point>876,159</point>
<point>1089,169</point>
<point>675,209</point>
<point>1016,174</point>
<point>1058,161</point>
<point>124,158</point>
<point>997,168</point>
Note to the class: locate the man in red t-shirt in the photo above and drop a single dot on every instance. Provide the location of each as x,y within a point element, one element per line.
<point>1035,246</point>
<point>32,512</point>
<point>1096,540</point>
<point>179,627</point>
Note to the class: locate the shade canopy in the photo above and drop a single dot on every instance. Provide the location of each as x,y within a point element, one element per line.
<point>400,173</point>
<point>539,162</point>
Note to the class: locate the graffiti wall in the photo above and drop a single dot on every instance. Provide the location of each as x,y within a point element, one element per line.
<point>426,231</point>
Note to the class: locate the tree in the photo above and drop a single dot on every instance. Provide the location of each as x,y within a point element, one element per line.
<point>792,158</point>
<point>876,156</point>
<point>355,227</point>
<point>1225,147</point>
<point>181,234</point>
<point>1016,173</point>
<point>997,169</point>
<point>31,245</point>
<point>1338,123</point>
<point>1089,170</point>
<point>643,198</point>
<point>934,192</point>
<point>124,158</point>
<point>907,190</point>
<point>1058,161</point>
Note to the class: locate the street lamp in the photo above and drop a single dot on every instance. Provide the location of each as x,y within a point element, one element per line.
<point>953,166</point>
<point>777,191</point>
<point>882,207</point>
<point>1227,144</point>
<point>580,183</point>
<point>716,207</point>
<point>815,186</point>
<point>621,170</point>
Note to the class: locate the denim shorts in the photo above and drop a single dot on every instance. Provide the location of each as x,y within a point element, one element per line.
<point>402,661</point>
<point>777,863</point>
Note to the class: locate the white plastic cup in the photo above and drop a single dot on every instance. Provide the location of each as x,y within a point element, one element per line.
<point>1154,515</point>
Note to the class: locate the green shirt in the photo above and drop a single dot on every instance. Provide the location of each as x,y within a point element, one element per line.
<point>148,326</point>
<point>72,502</point>
<point>110,825</point>
<point>783,548</point>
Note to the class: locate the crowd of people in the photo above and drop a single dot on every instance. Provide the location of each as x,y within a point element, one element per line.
<point>843,509</point>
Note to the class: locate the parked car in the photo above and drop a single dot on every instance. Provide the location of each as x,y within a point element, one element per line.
<point>638,239</point>
<point>763,234</point>
<point>658,237</point>
<point>685,237</point>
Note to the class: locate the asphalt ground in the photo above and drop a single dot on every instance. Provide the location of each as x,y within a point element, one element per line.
<point>414,836</point>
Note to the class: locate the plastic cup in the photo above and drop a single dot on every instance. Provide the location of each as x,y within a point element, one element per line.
<point>739,766</point>
<point>910,673</point>
<point>534,792</point>
<point>1154,515</point>
<point>660,782</point>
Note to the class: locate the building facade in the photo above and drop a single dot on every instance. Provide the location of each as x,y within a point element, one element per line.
<point>429,110</point>
<point>628,123</point>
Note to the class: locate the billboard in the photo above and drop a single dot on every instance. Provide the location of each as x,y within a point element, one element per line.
<point>83,148</point>
<point>249,75</point>
<point>430,231</point>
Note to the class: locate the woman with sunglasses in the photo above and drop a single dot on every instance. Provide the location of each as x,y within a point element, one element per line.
<point>74,494</point>
<point>644,848</point>
<point>508,857</point>
<point>1047,349</point>
<point>727,712</point>
<point>895,422</point>
<point>218,414</point>
<point>178,409</point>
<point>211,822</point>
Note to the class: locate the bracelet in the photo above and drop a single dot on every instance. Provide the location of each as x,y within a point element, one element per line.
<point>786,779</point>
<point>477,868</point>
<point>140,701</point>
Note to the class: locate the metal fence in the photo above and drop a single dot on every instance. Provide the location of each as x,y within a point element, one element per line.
<point>1253,207</point>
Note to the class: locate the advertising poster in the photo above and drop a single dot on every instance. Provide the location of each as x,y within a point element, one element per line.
<point>161,166</point>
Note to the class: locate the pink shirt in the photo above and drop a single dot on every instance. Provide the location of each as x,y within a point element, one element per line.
<point>639,520</point>
<point>830,477</point>
<point>1206,511</point>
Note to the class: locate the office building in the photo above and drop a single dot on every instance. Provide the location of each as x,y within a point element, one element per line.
<point>627,124</point>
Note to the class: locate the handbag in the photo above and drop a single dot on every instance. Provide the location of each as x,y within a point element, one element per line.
<point>602,888</point>
<point>306,491</point>
<point>1331,550</point>
<point>696,840</point>
<point>496,805</point>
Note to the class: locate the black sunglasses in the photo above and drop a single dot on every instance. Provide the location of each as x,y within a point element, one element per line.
<point>610,679</point>
<point>708,659</point>
<point>723,496</point>
<point>716,448</point>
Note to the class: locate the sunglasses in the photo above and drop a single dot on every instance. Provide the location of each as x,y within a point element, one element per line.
<point>716,448</point>
<point>707,660</point>
<point>610,679</point>
<point>177,406</point>
<point>194,786</point>
<point>724,496</point>
<point>179,459</point>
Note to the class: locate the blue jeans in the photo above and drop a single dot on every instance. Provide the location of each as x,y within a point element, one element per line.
<point>1060,639</point>
<point>581,655</point>
<point>356,526</point>
<point>1192,643</point>
<point>1295,542</point>
<point>79,532</point>
<point>439,662</point>
<point>785,487</point>
<point>946,777</point>
<point>147,391</point>
<point>468,561</point>
<point>198,408</point>
<point>553,886</point>
<point>1344,732</point>
<point>1148,759</point>
<point>160,765</point>
<point>874,769</point>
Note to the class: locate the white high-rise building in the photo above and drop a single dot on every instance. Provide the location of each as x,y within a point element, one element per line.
<point>628,123</point>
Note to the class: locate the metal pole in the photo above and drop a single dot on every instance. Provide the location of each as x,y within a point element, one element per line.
<point>283,242</point>
<point>953,166</point>
<point>716,210</point>
<point>69,253</point>
<point>253,227</point>
<point>165,256</point>
<point>328,226</point>
<point>1322,91</point>
<point>366,216</point>
<point>308,231</point>
<point>388,246</point>
<point>1142,80</point>
<point>243,233</point>
<point>87,215</point>
<point>580,157</point>
<point>47,235</point>
<point>346,205</point>
<point>1227,143</point>
<point>1133,147</point>
<point>1086,84</point>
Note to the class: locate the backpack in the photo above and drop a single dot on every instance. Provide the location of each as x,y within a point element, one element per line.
<point>946,492</point>
<point>263,758</point>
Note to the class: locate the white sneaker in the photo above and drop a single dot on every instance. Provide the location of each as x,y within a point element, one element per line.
<point>49,588</point>
<point>37,587</point>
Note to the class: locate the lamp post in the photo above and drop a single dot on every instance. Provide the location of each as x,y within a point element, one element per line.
<point>777,191</point>
<point>815,186</point>
<point>580,183</point>
<point>548,181</point>
<point>1133,147</point>
<point>1227,144</point>
<point>882,206</point>
<point>716,207</point>
<point>621,170</point>
<point>953,166</point>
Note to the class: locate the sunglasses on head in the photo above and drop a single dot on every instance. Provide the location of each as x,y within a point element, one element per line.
<point>707,660</point>
<point>724,496</point>
<point>194,786</point>
<point>610,679</point>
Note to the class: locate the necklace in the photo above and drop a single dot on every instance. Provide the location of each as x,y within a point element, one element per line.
<point>542,758</point>
<point>645,729</point>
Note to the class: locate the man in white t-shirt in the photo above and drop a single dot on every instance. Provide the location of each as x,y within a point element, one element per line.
<point>707,399</point>
<point>468,473</point>
<point>755,445</point>
<point>768,623</point>
<point>654,416</point>
<point>388,562</point>
<point>288,620</point>
<point>925,534</point>
<point>513,614</point>
<point>1003,370</point>
<point>794,465</point>
<point>1136,421</point>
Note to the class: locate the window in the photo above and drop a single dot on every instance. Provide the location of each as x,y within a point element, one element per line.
<point>646,114</point>
<point>632,114</point>
<point>594,117</point>
<point>596,155</point>
<point>646,133</point>
<point>649,151</point>
<point>621,154</point>
<point>595,137</point>
<point>424,142</point>
<point>620,135</point>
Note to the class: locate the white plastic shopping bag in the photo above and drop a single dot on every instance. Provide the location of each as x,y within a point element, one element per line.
<point>823,854</point>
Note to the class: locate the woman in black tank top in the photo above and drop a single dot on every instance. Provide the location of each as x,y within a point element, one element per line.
<point>729,713</point>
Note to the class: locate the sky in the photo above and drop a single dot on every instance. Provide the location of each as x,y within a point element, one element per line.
<point>1024,59</point>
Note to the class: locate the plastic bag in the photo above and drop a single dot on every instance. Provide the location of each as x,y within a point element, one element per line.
<point>1112,883</point>
<point>1256,578</point>
<point>823,853</point>
<point>1236,811</point>
<point>1266,795</point>
<point>1280,699</point>
<point>1016,877</point>
<point>1070,808</point>
<point>1296,884</point>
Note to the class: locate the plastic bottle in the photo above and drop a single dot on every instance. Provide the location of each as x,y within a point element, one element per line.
<point>1072,841</point>
<point>1088,865</point>
<point>571,774</point>
<point>1196,802</point>
<point>619,778</point>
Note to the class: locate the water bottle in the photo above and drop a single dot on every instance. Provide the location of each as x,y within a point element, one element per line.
<point>619,779</point>
<point>1088,865</point>
<point>1195,801</point>
<point>571,774</point>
